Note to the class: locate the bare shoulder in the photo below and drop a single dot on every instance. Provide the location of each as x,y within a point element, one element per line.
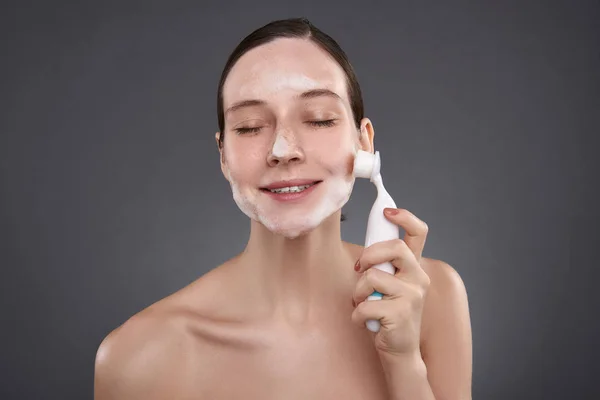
<point>444,278</point>
<point>446,296</point>
<point>141,358</point>
<point>151,355</point>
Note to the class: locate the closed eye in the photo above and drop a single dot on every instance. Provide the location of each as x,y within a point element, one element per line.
<point>320,124</point>
<point>326,123</point>
<point>242,131</point>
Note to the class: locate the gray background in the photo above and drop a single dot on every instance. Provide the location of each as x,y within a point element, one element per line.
<point>112,198</point>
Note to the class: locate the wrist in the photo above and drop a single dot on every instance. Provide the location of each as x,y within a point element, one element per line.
<point>406,376</point>
<point>408,362</point>
<point>413,355</point>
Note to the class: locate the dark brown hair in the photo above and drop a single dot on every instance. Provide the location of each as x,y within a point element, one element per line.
<point>293,28</point>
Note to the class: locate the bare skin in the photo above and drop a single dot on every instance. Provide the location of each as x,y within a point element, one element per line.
<point>275,322</point>
<point>207,341</point>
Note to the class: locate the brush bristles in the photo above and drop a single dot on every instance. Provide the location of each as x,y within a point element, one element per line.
<point>364,162</point>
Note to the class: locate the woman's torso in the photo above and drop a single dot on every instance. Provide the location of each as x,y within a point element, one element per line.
<point>217,353</point>
<point>261,363</point>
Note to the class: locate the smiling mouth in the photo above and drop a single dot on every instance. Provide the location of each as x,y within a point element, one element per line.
<point>291,188</point>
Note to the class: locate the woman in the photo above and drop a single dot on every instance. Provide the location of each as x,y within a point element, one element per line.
<point>285,319</point>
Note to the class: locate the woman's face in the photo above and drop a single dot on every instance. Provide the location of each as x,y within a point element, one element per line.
<point>290,138</point>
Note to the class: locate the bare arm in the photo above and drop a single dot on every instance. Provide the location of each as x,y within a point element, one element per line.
<point>442,368</point>
<point>446,334</point>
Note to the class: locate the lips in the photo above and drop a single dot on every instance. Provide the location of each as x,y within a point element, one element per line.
<point>290,183</point>
<point>290,191</point>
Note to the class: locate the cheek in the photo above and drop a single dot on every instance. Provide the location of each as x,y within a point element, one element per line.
<point>336,153</point>
<point>339,163</point>
<point>244,163</point>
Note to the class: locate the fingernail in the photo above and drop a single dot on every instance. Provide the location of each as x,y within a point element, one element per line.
<point>391,211</point>
<point>357,265</point>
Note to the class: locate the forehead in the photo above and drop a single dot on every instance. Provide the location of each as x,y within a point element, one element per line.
<point>282,68</point>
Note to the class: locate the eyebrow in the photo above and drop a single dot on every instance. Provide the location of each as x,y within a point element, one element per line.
<point>310,94</point>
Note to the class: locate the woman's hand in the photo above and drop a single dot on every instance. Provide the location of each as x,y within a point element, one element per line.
<point>401,307</point>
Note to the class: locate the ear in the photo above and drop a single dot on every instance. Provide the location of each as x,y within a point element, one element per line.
<point>367,134</point>
<point>221,155</point>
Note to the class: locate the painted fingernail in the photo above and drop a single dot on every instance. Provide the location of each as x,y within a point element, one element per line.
<point>391,211</point>
<point>357,265</point>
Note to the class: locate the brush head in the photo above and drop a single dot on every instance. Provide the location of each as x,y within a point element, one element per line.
<point>366,165</point>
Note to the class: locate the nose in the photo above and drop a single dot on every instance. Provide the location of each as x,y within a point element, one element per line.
<point>285,150</point>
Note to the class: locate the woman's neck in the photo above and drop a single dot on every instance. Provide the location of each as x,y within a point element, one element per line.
<point>301,280</point>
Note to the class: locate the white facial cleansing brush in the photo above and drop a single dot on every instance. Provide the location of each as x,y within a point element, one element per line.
<point>379,228</point>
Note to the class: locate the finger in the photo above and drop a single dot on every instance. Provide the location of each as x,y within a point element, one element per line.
<point>387,284</point>
<point>382,310</point>
<point>395,251</point>
<point>416,230</point>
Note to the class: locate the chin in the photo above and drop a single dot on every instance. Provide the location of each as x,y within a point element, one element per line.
<point>292,234</point>
<point>292,222</point>
<point>290,229</point>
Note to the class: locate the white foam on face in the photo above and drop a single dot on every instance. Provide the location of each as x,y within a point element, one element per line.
<point>269,84</point>
<point>337,194</point>
<point>293,223</point>
<point>281,146</point>
<point>243,200</point>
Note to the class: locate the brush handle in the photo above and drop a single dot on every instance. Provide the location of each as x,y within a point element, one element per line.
<point>374,325</point>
